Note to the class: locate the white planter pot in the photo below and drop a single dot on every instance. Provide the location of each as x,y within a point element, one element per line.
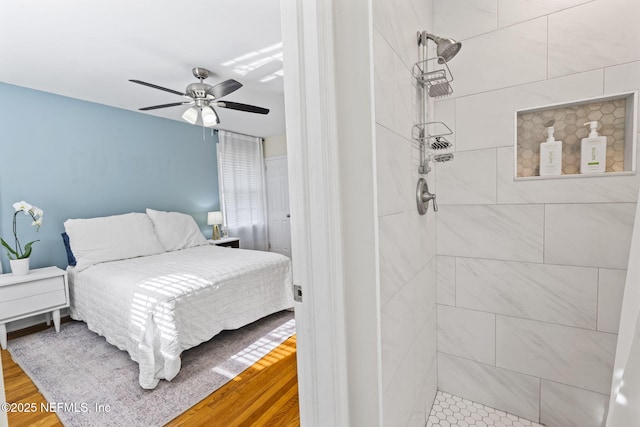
<point>19,267</point>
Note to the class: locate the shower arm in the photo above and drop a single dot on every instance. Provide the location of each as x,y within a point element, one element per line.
<point>423,36</point>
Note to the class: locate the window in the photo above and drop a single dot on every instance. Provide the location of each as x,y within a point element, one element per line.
<point>242,188</point>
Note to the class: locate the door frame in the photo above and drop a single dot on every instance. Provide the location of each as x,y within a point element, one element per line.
<point>315,249</point>
<point>328,51</point>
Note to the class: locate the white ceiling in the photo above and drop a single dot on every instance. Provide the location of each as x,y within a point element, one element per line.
<point>90,49</point>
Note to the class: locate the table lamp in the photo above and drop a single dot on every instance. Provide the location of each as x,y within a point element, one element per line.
<point>215,218</point>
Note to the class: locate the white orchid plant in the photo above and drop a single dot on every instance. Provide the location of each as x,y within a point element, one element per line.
<point>17,252</point>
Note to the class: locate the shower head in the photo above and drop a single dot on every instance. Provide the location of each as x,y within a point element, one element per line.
<point>445,48</point>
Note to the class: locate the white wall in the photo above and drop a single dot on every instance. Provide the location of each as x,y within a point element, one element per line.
<point>531,273</point>
<point>275,146</point>
<point>406,239</point>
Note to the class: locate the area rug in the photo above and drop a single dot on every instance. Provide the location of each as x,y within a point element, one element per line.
<point>89,382</point>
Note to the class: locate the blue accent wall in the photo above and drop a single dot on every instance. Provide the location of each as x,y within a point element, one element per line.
<point>77,159</point>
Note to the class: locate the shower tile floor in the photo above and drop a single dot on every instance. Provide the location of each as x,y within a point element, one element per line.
<point>450,411</point>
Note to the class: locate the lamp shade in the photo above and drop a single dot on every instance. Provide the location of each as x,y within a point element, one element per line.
<point>209,117</point>
<point>214,218</point>
<point>191,115</point>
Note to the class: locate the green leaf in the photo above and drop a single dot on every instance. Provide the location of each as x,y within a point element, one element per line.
<point>10,252</point>
<point>27,250</point>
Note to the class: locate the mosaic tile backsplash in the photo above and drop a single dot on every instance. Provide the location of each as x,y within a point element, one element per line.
<point>568,123</point>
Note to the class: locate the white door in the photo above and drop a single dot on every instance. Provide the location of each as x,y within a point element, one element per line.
<point>278,205</point>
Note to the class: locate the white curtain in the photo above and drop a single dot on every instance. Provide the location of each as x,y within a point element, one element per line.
<point>243,189</point>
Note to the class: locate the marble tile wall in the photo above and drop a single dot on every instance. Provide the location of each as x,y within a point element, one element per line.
<point>406,240</point>
<point>505,57</point>
<point>559,294</point>
<point>610,290</point>
<point>597,234</point>
<point>514,11</point>
<point>480,16</point>
<point>543,261</point>
<point>562,405</point>
<point>593,35</point>
<point>508,232</point>
<point>571,356</point>
<point>500,388</point>
<point>467,333</point>
<point>458,187</point>
<point>446,280</point>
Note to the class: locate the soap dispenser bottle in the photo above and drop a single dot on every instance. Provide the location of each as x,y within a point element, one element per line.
<point>593,151</point>
<point>550,155</point>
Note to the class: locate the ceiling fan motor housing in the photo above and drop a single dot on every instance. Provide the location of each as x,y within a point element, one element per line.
<point>198,90</point>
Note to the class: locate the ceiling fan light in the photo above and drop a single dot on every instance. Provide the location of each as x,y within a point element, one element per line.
<point>191,115</point>
<point>209,117</point>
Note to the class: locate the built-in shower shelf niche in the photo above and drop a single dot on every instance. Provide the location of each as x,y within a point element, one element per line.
<point>617,120</point>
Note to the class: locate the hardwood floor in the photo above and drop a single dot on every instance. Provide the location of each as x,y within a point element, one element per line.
<point>266,394</point>
<point>21,390</point>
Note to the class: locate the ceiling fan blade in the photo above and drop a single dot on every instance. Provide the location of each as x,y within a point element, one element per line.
<point>173,104</point>
<point>157,87</point>
<point>242,107</point>
<point>224,88</point>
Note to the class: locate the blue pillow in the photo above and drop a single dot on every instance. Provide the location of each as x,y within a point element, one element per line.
<point>70,258</point>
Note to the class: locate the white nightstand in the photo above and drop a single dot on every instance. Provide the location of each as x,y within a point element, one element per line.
<point>43,290</point>
<point>231,242</point>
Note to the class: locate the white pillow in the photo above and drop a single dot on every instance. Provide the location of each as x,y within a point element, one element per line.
<point>110,238</point>
<point>176,230</point>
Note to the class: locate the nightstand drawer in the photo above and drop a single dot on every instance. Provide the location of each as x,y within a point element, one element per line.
<point>43,290</point>
<point>28,289</point>
<point>32,303</point>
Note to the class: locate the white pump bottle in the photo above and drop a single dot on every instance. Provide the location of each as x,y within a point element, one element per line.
<point>593,151</point>
<point>550,155</point>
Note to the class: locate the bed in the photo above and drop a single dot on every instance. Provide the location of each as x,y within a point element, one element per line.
<point>161,297</point>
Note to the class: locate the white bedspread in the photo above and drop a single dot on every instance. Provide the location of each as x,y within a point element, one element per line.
<point>157,306</point>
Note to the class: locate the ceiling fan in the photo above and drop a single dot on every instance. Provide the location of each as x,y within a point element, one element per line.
<point>203,98</point>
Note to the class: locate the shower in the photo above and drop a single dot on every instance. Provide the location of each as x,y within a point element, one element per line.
<point>432,135</point>
<point>436,83</point>
<point>445,48</point>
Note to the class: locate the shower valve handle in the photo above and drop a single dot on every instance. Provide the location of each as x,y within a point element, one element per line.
<point>426,196</point>
<point>423,196</point>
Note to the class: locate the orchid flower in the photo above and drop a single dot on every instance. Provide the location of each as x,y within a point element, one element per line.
<point>37,215</point>
<point>22,206</point>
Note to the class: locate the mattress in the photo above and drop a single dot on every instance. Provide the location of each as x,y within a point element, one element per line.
<point>155,307</point>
